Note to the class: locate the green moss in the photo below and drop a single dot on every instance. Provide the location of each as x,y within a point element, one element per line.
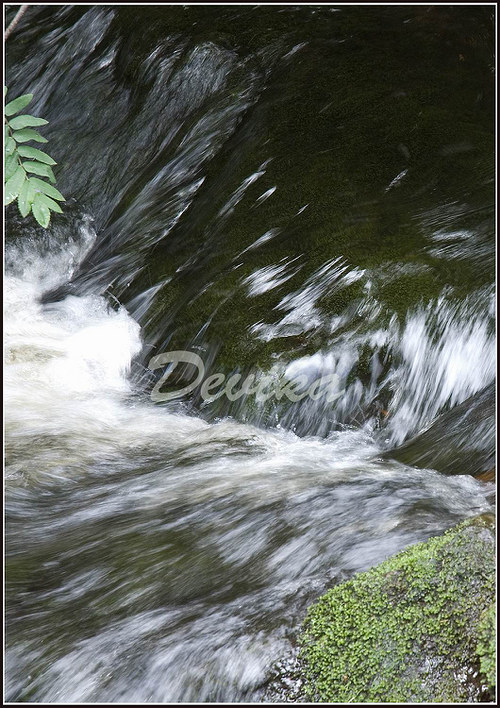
<point>407,629</point>
<point>486,646</point>
<point>404,292</point>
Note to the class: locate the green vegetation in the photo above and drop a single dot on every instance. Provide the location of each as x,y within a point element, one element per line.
<point>408,629</point>
<point>25,165</point>
<point>486,645</point>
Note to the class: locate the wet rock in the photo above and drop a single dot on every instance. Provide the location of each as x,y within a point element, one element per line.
<point>408,629</point>
<point>287,683</point>
<point>461,441</point>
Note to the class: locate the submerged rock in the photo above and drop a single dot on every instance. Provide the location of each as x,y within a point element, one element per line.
<point>418,627</point>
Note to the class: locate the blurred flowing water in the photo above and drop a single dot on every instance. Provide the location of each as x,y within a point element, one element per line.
<point>293,190</point>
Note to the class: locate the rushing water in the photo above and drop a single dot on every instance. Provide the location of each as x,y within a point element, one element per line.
<point>283,188</point>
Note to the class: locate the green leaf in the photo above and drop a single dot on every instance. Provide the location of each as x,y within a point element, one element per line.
<point>26,121</point>
<point>25,198</point>
<point>10,146</point>
<point>42,186</point>
<point>18,104</point>
<point>22,136</point>
<point>50,203</point>
<point>36,154</point>
<point>14,184</point>
<point>4,91</point>
<point>41,211</point>
<point>38,168</point>
<point>11,163</point>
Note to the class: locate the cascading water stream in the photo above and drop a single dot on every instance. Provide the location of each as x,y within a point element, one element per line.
<point>160,553</point>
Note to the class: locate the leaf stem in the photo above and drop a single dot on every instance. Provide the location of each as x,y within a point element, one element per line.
<point>14,22</point>
<point>15,149</point>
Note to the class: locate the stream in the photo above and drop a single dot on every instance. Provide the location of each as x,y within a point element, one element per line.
<point>286,191</point>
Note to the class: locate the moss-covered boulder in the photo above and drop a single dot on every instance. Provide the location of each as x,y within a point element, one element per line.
<point>416,628</point>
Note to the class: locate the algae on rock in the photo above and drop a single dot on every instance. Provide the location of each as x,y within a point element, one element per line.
<point>407,630</point>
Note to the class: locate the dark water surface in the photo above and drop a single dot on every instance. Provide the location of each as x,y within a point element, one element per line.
<point>286,190</point>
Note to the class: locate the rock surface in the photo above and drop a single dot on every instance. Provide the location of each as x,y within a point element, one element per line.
<point>462,439</point>
<point>418,627</point>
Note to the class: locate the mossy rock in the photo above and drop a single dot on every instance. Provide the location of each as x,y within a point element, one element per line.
<point>486,646</point>
<point>408,629</point>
